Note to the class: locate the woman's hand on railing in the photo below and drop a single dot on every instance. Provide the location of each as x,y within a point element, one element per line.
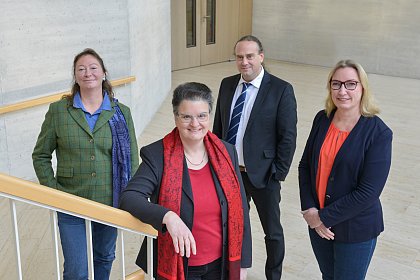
<point>183,240</point>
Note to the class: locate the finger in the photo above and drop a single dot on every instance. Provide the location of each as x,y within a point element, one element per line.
<point>329,235</point>
<point>176,245</point>
<point>329,231</point>
<point>187,247</point>
<point>181,246</point>
<point>320,233</point>
<point>193,245</point>
<point>326,235</point>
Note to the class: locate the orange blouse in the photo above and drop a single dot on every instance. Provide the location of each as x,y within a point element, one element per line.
<point>332,144</point>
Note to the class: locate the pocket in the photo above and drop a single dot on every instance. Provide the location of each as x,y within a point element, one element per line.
<point>269,153</point>
<point>66,172</point>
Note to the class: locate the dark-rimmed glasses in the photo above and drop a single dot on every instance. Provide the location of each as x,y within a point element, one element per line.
<point>202,117</point>
<point>350,85</point>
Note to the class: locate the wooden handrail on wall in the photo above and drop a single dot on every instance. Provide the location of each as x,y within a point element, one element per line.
<point>54,97</point>
<point>27,190</point>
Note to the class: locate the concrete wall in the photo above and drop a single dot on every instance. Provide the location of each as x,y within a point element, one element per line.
<point>38,42</point>
<point>382,35</point>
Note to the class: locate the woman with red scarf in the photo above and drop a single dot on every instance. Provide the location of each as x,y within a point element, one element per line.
<point>188,187</point>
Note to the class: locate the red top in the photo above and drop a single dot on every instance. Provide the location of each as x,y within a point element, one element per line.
<point>207,224</point>
<point>332,144</point>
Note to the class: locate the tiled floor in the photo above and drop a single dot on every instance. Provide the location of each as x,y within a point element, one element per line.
<point>398,251</point>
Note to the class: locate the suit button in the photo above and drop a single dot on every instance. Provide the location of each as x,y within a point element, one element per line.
<point>222,202</point>
<point>331,179</point>
<point>327,196</point>
<point>92,157</point>
<point>90,140</point>
<point>224,224</point>
<point>93,174</point>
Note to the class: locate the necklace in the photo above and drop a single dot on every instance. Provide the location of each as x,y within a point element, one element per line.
<point>196,164</point>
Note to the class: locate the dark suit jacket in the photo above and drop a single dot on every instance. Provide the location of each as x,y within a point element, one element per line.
<point>360,169</point>
<point>270,136</point>
<point>84,157</point>
<point>146,184</point>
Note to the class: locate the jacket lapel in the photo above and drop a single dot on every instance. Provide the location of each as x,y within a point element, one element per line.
<point>187,188</point>
<point>262,94</point>
<point>229,97</point>
<point>354,133</point>
<point>322,132</point>
<point>79,117</point>
<point>104,117</point>
<point>186,183</point>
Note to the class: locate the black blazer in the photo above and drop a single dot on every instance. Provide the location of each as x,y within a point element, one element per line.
<point>360,170</point>
<point>270,136</point>
<point>146,184</point>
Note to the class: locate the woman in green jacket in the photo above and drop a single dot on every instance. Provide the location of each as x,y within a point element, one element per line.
<point>95,143</point>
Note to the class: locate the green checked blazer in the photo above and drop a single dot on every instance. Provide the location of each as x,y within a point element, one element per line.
<point>84,164</point>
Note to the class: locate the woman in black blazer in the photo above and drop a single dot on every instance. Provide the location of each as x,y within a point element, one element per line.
<point>189,188</point>
<point>342,173</point>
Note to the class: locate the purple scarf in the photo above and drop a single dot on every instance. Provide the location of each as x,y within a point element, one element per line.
<point>121,156</point>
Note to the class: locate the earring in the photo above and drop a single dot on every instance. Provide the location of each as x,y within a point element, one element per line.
<point>104,78</point>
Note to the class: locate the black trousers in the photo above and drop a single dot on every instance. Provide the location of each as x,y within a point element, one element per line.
<point>210,271</point>
<point>267,202</point>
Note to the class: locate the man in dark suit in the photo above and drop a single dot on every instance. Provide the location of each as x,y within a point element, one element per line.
<point>256,112</point>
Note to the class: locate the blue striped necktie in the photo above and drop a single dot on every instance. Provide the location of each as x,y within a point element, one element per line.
<point>236,115</point>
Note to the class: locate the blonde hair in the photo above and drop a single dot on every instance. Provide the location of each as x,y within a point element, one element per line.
<point>368,107</point>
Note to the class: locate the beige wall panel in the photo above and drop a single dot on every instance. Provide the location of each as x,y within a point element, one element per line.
<point>37,47</point>
<point>245,17</point>
<point>382,35</point>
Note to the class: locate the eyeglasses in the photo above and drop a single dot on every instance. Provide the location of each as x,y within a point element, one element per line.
<point>250,57</point>
<point>202,117</point>
<point>350,85</point>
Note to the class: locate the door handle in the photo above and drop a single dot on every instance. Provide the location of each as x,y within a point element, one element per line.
<point>206,17</point>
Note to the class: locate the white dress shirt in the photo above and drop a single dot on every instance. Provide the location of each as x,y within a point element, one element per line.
<point>251,95</point>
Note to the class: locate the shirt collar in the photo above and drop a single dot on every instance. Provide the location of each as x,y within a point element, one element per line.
<point>106,103</point>
<point>255,82</point>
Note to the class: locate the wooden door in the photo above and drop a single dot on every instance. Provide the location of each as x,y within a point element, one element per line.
<point>205,31</point>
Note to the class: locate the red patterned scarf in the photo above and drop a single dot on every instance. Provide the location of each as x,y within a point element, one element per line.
<point>170,264</point>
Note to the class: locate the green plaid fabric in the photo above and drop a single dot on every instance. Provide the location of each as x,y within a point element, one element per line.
<point>84,165</point>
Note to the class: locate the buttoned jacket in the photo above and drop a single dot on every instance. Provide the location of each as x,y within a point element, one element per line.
<point>358,175</point>
<point>145,185</point>
<point>84,157</point>
<point>269,141</point>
